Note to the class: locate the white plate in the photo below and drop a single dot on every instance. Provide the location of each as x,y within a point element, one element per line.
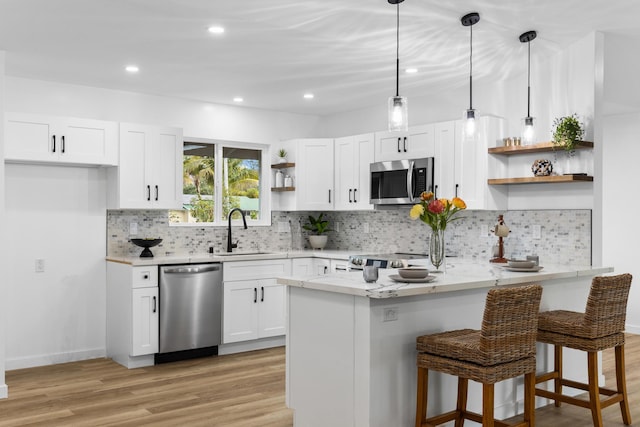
<point>529,270</point>
<point>398,278</point>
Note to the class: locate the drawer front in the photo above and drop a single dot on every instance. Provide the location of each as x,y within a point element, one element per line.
<point>144,276</point>
<point>263,269</point>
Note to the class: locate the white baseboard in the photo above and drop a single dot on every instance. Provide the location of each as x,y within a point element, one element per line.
<point>260,344</point>
<point>632,329</point>
<point>4,391</point>
<point>54,359</point>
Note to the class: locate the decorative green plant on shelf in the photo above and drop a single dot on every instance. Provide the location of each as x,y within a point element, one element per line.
<point>282,153</point>
<point>568,132</point>
<point>317,225</point>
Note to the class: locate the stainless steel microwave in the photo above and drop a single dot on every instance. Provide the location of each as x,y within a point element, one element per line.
<point>400,182</point>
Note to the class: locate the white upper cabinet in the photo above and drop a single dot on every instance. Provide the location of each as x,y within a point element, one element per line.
<point>353,155</point>
<point>149,175</point>
<point>417,143</point>
<point>31,138</point>
<point>462,165</point>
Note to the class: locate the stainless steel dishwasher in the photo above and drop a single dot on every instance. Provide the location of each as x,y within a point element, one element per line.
<point>190,311</point>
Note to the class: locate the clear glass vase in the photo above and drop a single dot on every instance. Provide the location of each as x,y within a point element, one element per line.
<point>436,250</point>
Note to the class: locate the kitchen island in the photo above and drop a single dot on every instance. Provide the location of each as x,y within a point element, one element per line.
<point>351,345</point>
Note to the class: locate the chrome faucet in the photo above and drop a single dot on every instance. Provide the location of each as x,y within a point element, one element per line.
<point>231,245</point>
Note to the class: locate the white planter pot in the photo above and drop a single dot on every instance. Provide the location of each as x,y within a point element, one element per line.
<point>282,160</point>
<point>318,242</point>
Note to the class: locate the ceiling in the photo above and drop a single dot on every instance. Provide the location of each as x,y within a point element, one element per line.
<point>274,51</point>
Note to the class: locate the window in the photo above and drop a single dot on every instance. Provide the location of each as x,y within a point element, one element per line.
<point>219,176</point>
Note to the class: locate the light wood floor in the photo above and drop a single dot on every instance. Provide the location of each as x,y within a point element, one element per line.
<point>232,391</point>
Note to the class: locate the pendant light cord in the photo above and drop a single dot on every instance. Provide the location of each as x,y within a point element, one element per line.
<point>529,79</point>
<point>397,49</point>
<point>471,67</point>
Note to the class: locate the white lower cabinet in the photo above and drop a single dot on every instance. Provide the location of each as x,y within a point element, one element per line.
<point>309,266</point>
<point>133,316</point>
<point>254,304</point>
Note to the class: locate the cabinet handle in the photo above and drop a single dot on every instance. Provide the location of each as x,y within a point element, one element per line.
<point>154,305</point>
<point>255,295</point>
<point>325,269</point>
<point>404,144</point>
<point>354,195</point>
<point>62,150</point>
<point>435,192</point>
<point>54,144</point>
<point>329,195</point>
<point>261,293</point>
<point>398,144</point>
<point>148,193</point>
<point>457,185</point>
<point>350,196</point>
<point>157,193</point>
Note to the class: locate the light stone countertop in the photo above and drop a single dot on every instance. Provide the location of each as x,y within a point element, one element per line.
<point>235,256</point>
<point>460,275</point>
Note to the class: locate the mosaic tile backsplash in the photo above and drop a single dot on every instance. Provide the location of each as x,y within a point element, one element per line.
<point>565,234</point>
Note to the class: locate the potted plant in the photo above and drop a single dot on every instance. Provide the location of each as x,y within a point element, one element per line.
<point>567,132</point>
<point>318,226</point>
<point>282,155</point>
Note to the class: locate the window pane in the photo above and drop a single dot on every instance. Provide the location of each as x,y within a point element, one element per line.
<point>198,184</point>
<point>241,182</point>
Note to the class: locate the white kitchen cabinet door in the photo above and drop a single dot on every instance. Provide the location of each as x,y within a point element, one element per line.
<point>353,156</point>
<point>271,309</point>
<point>145,321</point>
<point>150,168</point>
<point>445,161</point>
<point>321,266</point>
<point>417,143</point>
<point>240,311</point>
<point>301,267</point>
<point>314,169</point>
<point>62,140</point>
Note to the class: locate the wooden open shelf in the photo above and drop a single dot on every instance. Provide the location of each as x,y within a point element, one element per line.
<point>282,165</point>
<point>280,189</point>
<point>536,148</point>
<point>541,179</point>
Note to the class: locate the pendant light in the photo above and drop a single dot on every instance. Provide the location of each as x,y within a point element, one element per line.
<point>528,129</point>
<point>469,117</point>
<point>398,120</point>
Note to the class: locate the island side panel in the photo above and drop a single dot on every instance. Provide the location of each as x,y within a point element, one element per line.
<point>320,358</point>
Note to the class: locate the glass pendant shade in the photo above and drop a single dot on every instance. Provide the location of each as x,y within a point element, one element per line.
<point>398,113</point>
<point>469,119</point>
<point>528,131</point>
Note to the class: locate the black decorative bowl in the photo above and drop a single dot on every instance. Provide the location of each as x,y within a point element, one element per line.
<point>146,244</point>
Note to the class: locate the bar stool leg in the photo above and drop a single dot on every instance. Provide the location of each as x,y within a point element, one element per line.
<point>461,406</point>
<point>557,368</point>
<point>487,405</point>
<point>530,399</point>
<point>621,384</point>
<point>421,396</point>
<point>594,394</point>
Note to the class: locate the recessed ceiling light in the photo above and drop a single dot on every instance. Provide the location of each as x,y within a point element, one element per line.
<point>308,96</point>
<point>132,68</point>
<point>238,99</point>
<point>411,70</point>
<point>216,29</point>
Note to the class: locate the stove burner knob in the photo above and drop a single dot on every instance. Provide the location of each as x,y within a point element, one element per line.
<point>396,263</point>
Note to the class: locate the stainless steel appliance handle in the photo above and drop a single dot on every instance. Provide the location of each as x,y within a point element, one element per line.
<point>410,181</point>
<point>213,267</point>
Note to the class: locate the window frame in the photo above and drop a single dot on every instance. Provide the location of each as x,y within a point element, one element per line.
<point>265,180</point>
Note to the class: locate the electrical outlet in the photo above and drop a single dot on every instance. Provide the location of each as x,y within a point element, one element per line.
<point>39,265</point>
<point>283,227</point>
<point>390,314</point>
<point>365,227</point>
<point>484,230</point>
<point>537,231</point>
<point>133,228</point>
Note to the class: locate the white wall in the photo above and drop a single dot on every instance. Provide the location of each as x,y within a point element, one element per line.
<point>3,238</point>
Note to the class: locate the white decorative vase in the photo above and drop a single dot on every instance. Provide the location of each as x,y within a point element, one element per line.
<point>318,242</point>
<point>282,160</point>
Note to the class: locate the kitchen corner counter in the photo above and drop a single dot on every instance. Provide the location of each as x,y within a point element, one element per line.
<point>460,276</point>
<point>223,257</point>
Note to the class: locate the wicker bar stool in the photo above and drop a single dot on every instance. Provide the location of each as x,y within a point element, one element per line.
<point>505,347</point>
<point>600,327</point>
